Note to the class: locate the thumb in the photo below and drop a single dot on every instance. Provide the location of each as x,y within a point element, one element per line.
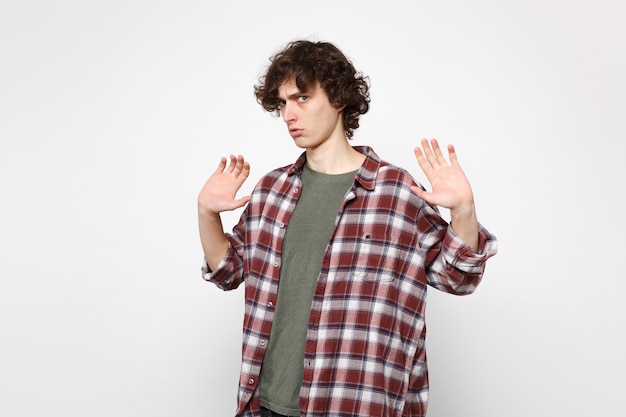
<point>242,201</point>
<point>421,193</point>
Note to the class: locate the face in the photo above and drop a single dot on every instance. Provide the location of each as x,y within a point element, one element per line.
<point>310,117</point>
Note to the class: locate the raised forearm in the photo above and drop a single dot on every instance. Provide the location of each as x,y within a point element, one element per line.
<point>465,224</point>
<point>212,237</point>
<point>217,195</point>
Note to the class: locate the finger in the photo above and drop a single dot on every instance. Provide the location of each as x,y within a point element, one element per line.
<point>242,171</point>
<point>421,193</point>
<point>243,168</point>
<point>421,160</point>
<point>232,164</point>
<point>222,165</point>
<point>242,201</point>
<point>428,153</point>
<point>239,163</point>
<point>452,153</point>
<point>441,160</point>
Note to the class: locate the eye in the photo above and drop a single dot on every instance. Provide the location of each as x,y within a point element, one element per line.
<point>280,104</point>
<point>302,98</point>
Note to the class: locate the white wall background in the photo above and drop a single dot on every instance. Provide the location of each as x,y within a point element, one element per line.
<point>113,113</point>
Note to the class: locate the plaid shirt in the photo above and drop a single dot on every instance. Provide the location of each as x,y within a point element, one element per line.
<point>365,351</point>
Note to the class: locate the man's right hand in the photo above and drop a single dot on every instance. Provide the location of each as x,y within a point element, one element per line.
<point>219,194</point>
<point>220,191</point>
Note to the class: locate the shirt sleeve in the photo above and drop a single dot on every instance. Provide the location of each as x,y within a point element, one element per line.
<point>451,264</point>
<point>458,269</point>
<point>228,275</point>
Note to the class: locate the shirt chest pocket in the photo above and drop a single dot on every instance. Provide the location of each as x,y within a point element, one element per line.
<point>381,254</point>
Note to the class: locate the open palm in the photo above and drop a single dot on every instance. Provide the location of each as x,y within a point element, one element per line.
<point>220,191</point>
<point>450,187</point>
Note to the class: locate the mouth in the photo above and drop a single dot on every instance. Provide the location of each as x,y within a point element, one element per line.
<point>295,132</point>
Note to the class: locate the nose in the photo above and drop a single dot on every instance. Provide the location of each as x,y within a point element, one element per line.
<point>288,113</point>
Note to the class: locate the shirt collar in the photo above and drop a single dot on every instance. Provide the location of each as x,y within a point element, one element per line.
<point>365,176</point>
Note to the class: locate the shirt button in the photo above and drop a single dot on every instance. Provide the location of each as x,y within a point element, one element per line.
<point>295,191</point>
<point>262,342</point>
<point>270,304</point>
<point>251,381</point>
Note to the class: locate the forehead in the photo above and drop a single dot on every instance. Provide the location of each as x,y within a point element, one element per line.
<point>289,88</point>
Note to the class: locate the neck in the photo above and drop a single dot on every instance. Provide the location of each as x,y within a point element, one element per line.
<point>336,157</point>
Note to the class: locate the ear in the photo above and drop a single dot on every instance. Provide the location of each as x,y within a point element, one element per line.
<point>339,106</point>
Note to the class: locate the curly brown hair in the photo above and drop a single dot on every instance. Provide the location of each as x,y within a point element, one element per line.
<point>323,62</point>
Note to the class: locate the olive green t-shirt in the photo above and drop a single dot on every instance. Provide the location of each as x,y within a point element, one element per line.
<point>307,235</point>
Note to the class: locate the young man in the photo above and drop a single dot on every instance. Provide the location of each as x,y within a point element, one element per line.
<point>336,252</point>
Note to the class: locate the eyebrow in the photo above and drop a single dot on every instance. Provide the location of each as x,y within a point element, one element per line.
<point>294,95</point>
<point>291,96</point>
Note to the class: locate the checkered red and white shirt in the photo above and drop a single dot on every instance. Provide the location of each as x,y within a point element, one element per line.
<point>365,350</point>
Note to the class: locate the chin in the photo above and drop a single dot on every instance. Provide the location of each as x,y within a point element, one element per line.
<point>301,143</point>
